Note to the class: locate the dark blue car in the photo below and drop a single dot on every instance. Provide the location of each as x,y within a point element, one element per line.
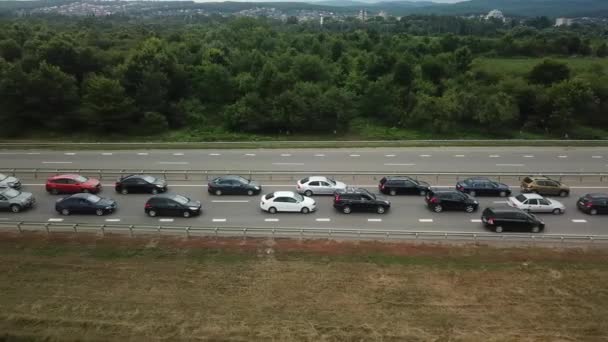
<point>481,186</point>
<point>85,203</point>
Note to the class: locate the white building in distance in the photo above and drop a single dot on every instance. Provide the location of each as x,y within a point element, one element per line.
<point>495,14</point>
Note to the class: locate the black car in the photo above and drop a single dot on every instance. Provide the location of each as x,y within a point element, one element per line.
<point>513,219</point>
<point>356,199</point>
<point>483,187</point>
<point>439,201</point>
<point>84,203</point>
<point>233,185</point>
<point>140,184</point>
<point>172,205</point>
<point>403,185</point>
<point>593,204</point>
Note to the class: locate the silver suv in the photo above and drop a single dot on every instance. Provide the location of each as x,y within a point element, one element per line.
<point>15,200</point>
<point>9,181</point>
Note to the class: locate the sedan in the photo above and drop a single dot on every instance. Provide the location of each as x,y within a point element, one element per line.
<point>403,185</point>
<point>15,200</point>
<point>172,205</point>
<point>233,185</point>
<point>140,184</point>
<point>537,204</point>
<point>71,184</point>
<point>287,201</point>
<point>483,186</point>
<point>318,185</point>
<point>85,204</point>
<point>9,181</point>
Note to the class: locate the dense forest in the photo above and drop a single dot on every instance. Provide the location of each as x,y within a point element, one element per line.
<point>214,76</point>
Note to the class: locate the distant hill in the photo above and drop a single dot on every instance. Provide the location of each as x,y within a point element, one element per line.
<point>368,4</point>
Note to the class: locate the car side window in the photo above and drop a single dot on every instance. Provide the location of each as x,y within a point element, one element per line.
<point>541,183</point>
<point>532,201</point>
<point>366,198</point>
<point>543,202</point>
<point>313,183</point>
<point>551,183</point>
<point>172,204</point>
<point>291,200</point>
<point>70,181</point>
<point>324,184</point>
<point>280,199</point>
<point>2,198</point>
<point>407,184</point>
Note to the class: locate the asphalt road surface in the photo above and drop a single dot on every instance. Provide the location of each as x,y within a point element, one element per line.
<point>407,213</point>
<point>447,159</point>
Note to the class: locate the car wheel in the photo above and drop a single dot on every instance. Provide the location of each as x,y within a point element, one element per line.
<point>438,208</point>
<point>557,211</point>
<point>99,212</point>
<point>218,192</point>
<point>272,210</point>
<point>593,211</point>
<point>536,229</point>
<point>152,213</point>
<point>124,191</point>
<point>15,208</point>
<point>307,193</point>
<point>154,191</point>
<point>305,210</point>
<point>563,193</point>
<point>346,210</point>
<point>54,191</point>
<point>249,192</point>
<point>422,192</point>
<point>392,192</point>
<point>498,229</point>
<point>472,193</point>
<point>186,214</point>
<point>380,210</point>
<point>502,194</point>
<point>65,212</point>
<point>469,209</point>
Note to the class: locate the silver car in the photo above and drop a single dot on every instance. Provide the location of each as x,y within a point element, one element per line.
<point>15,200</point>
<point>318,185</point>
<point>9,181</point>
<point>537,204</point>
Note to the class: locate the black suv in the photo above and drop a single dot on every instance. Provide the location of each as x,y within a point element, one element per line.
<point>233,185</point>
<point>507,218</point>
<point>403,185</point>
<point>483,186</point>
<point>172,205</point>
<point>593,204</point>
<point>356,199</point>
<point>439,201</point>
<point>140,184</point>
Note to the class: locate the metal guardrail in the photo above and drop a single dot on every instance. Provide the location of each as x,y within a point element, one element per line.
<point>299,233</point>
<point>265,175</point>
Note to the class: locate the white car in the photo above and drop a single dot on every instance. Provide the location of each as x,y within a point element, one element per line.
<point>9,182</point>
<point>537,204</point>
<point>318,185</point>
<point>287,201</point>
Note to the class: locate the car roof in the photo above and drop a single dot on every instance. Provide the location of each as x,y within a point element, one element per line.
<point>67,175</point>
<point>596,195</point>
<point>317,178</point>
<point>167,195</point>
<point>284,194</point>
<point>229,177</point>
<point>498,210</point>
<point>539,178</point>
<point>532,196</point>
<point>398,178</point>
<point>479,179</point>
<point>81,195</point>
<point>441,192</point>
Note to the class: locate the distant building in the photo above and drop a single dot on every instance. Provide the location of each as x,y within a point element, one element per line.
<point>362,15</point>
<point>563,22</point>
<point>495,14</point>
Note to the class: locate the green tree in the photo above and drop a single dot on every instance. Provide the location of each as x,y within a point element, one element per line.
<point>548,72</point>
<point>10,50</point>
<point>498,112</point>
<point>403,74</point>
<point>601,50</point>
<point>462,59</point>
<point>569,99</point>
<point>433,69</point>
<point>106,106</point>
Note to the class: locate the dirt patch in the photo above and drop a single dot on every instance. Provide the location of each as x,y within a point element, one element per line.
<point>92,288</point>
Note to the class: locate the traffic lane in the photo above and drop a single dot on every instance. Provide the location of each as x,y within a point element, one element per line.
<point>401,159</point>
<point>407,213</point>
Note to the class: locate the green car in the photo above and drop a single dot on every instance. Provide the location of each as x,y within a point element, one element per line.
<point>15,200</point>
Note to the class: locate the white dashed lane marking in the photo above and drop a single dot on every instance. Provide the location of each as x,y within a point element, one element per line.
<point>323,220</point>
<point>33,153</point>
<point>514,165</point>
<point>287,163</point>
<point>355,155</point>
<point>425,220</point>
<point>597,157</point>
<point>142,153</point>
<point>70,154</point>
<point>475,220</point>
<point>319,155</point>
<point>285,155</point>
<point>494,156</point>
<point>106,154</point>
<point>174,163</point>
<point>528,156</point>
<point>56,162</point>
<point>55,220</point>
<point>271,220</point>
<point>374,220</point>
<point>250,154</point>
<point>500,202</point>
<point>399,164</point>
<point>165,220</point>
<point>112,220</point>
<point>215,154</point>
<point>579,221</point>
<point>219,220</point>
<point>459,155</point>
<point>425,155</point>
<point>562,157</point>
<point>178,154</point>
<point>389,155</point>
<point>230,201</point>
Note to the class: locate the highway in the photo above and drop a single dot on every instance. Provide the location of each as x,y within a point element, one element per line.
<point>444,159</point>
<point>407,213</point>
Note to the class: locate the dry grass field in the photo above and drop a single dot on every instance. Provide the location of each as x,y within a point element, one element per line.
<point>83,288</point>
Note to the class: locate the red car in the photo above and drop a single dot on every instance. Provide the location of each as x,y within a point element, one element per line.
<point>72,184</point>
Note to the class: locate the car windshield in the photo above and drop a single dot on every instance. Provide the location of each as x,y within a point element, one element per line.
<point>93,198</point>
<point>181,199</point>
<point>149,179</point>
<point>81,179</point>
<point>331,181</point>
<point>298,197</point>
<point>372,196</point>
<point>242,180</point>
<point>3,177</point>
<point>11,193</point>
<point>521,198</point>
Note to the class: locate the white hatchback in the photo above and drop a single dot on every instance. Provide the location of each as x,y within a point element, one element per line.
<point>287,201</point>
<point>537,204</point>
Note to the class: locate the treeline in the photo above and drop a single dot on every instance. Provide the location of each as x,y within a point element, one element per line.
<point>114,76</point>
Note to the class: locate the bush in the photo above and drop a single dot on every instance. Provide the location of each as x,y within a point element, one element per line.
<point>153,123</point>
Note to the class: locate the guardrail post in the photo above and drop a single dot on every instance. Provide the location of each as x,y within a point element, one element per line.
<point>19,227</point>
<point>131,230</point>
<point>99,174</point>
<point>103,230</point>
<point>215,230</point>
<point>416,235</point>
<point>158,229</point>
<point>301,234</point>
<point>475,237</point>
<point>46,226</point>
<point>359,234</point>
<point>273,231</point>
<point>244,233</point>
<point>186,175</point>
<point>35,173</point>
<point>329,234</point>
<point>446,236</point>
<point>188,232</point>
<point>74,227</point>
<point>591,240</point>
